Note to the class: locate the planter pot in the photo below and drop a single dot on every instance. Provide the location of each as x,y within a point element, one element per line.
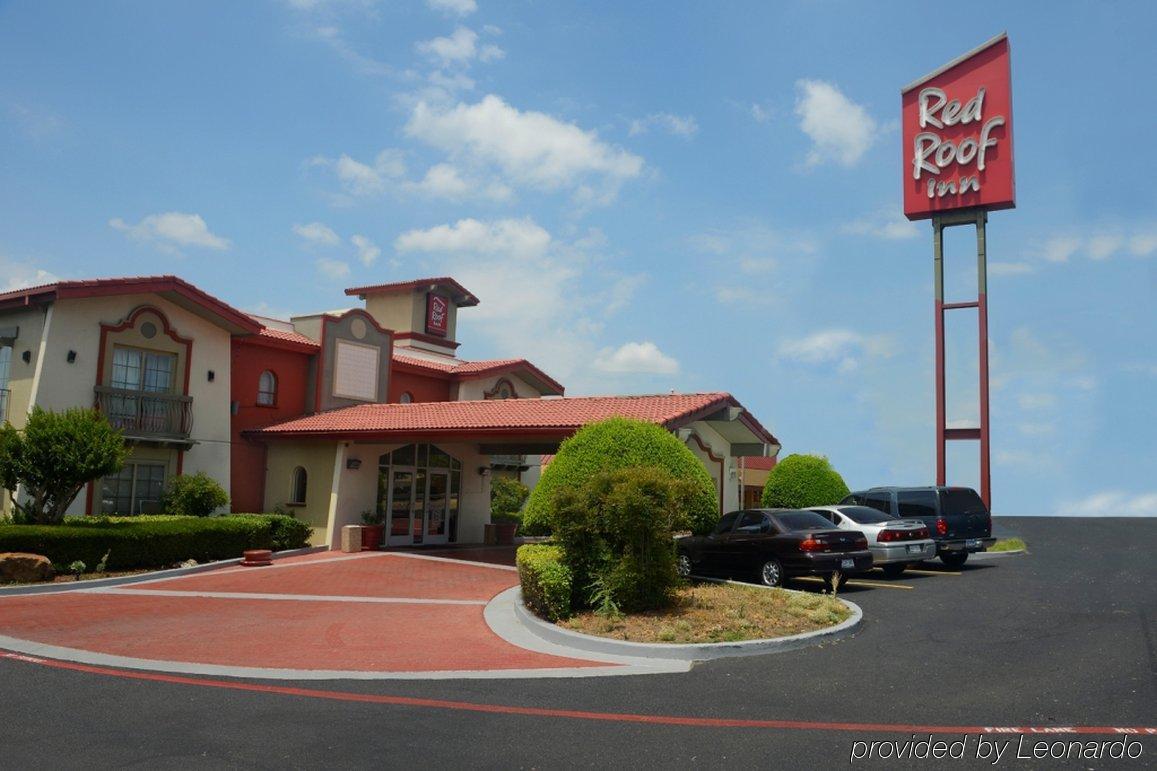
<point>504,533</point>
<point>372,537</point>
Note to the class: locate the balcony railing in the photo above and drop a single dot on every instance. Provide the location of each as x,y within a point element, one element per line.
<point>145,415</point>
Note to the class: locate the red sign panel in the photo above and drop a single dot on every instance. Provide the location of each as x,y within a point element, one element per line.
<point>437,314</point>
<point>957,128</point>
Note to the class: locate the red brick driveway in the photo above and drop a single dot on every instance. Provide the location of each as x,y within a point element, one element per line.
<point>372,612</point>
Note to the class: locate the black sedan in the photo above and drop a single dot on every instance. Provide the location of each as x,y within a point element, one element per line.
<point>772,545</point>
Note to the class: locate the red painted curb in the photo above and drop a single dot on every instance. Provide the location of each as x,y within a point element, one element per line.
<point>614,717</point>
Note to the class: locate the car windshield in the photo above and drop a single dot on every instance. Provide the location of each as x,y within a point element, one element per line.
<point>961,502</point>
<point>803,520</point>
<point>862,515</point>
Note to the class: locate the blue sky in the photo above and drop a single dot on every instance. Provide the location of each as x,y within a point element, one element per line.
<point>646,197</point>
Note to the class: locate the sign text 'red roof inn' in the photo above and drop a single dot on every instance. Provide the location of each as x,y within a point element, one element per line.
<point>957,129</point>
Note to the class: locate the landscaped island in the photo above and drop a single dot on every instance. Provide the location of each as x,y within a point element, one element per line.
<point>714,613</point>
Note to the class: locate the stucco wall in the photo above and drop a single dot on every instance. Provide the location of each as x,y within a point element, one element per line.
<point>31,324</point>
<point>720,448</point>
<point>317,458</point>
<point>473,390</point>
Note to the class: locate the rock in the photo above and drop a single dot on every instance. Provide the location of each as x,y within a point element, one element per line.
<point>25,568</point>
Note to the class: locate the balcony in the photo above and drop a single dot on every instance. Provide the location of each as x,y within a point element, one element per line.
<point>147,417</point>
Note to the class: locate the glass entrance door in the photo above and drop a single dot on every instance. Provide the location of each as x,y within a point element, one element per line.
<point>438,506</point>
<point>401,505</point>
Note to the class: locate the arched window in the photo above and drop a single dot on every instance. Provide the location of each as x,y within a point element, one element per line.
<point>298,489</point>
<point>267,389</point>
<point>405,398</point>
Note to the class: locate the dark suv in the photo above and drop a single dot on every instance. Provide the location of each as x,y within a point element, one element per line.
<point>956,517</point>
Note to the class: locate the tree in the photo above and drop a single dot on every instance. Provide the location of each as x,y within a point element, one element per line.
<point>618,443</point>
<point>57,454</point>
<point>799,481</point>
<point>506,498</point>
<point>193,495</point>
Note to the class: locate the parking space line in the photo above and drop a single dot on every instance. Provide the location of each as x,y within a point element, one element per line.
<point>933,572</point>
<point>859,582</point>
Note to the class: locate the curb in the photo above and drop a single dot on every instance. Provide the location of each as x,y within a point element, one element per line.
<point>555,634</point>
<point>97,583</point>
<point>986,554</point>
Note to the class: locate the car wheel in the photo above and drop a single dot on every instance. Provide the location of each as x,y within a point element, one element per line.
<point>771,574</point>
<point>683,566</point>
<point>954,559</point>
<point>894,569</point>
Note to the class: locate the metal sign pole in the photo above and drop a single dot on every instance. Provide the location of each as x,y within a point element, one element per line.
<point>977,218</point>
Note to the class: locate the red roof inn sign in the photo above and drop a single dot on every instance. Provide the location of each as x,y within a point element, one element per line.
<point>957,127</point>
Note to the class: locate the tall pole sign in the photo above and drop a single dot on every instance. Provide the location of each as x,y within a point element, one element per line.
<point>957,135</point>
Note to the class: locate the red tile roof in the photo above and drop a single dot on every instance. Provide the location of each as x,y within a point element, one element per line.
<point>280,338</point>
<point>759,462</point>
<point>553,417</point>
<point>175,288</point>
<point>462,296</point>
<point>465,370</point>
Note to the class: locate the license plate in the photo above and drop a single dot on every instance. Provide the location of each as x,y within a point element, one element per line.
<point>972,543</point>
<point>847,564</point>
<point>914,549</point>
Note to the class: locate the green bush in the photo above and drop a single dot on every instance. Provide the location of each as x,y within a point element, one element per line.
<point>799,481</point>
<point>193,495</point>
<point>56,455</point>
<point>506,498</point>
<point>616,535</point>
<point>140,544</point>
<point>618,443</point>
<point>286,532</point>
<point>546,580</point>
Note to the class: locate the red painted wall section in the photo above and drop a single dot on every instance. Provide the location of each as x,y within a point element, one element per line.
<point>421,387</point>
<point>247,458</point>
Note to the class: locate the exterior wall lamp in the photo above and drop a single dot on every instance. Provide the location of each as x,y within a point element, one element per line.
<point>483,471</point>
<point>71,357</point>
<point>353,464</point>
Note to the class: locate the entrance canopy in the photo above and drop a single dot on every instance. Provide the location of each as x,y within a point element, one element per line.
<point>526,426</point>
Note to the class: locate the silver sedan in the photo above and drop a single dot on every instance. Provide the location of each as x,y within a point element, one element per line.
<point>894,543</point>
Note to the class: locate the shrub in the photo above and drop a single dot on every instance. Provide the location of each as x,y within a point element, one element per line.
<point>140,544</point>
<point>618,443</point>
<point>546,580</point>
<point>195,495</point>
<point>799,481</point>
<point>57,454</point>
<point>286,532</point>
<point>616,534</point>
<point>506,498</point>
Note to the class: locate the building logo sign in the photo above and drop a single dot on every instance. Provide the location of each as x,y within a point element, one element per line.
<point>957,134</point>
<point>437,315</point>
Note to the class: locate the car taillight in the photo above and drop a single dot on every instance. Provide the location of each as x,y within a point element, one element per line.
<point>922,533</point>
<point>811,544</point>
<point>888,535</point>
<point>942,526</point>
<point>861,542</point>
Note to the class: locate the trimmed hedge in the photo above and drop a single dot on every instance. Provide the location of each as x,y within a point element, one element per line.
<point>140,544</point>
<point>799,481</point>
<point>287,532</point>
<point>619,443</point>
<point>546,580</point>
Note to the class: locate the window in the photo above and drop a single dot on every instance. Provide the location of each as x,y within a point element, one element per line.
<point>135,489</point>
<point>917,503</point>
<point>298,486</point>
<point>803,520</point>
<point>753,522</point>
<point>406,398</point>
<point>136,370</point>
<point>5,365</point>
<point>879,501</point>
<point>864,515</point>
<point>355,371</point>
<point>726,523</point>
<point>267,389</point>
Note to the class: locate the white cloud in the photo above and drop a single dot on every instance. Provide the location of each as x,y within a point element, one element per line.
<point>458,48</point>
<point>761,113</point>
<point>453,7</point>
<point>1037,428</point>
<point>843,347</point>
<point>885,223</point>
<point>1009,268</point>
<point>333,269</point>
<point>841,130</point>
<point>639,358</point>
<point>333,37</point>
<point>368,251</point>
<point>1061,248</point>
<point>1144,244</point>
<point>317,233</point>
<point>21,275</point>
<point>1039,401</point>
<point>529,148</point>
<point>443,180</point>
<point>520,238</point>
<point>684,126</point>
<point>363,179</point>
<point>1111,503</point>
<point>1102,247</point>
<point>172,229</point>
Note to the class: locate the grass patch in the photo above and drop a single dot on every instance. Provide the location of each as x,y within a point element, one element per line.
<point>710,613</point>
<point>1007,544</point>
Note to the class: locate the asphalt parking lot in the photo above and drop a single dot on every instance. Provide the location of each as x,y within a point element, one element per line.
<point>1061,637</point>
